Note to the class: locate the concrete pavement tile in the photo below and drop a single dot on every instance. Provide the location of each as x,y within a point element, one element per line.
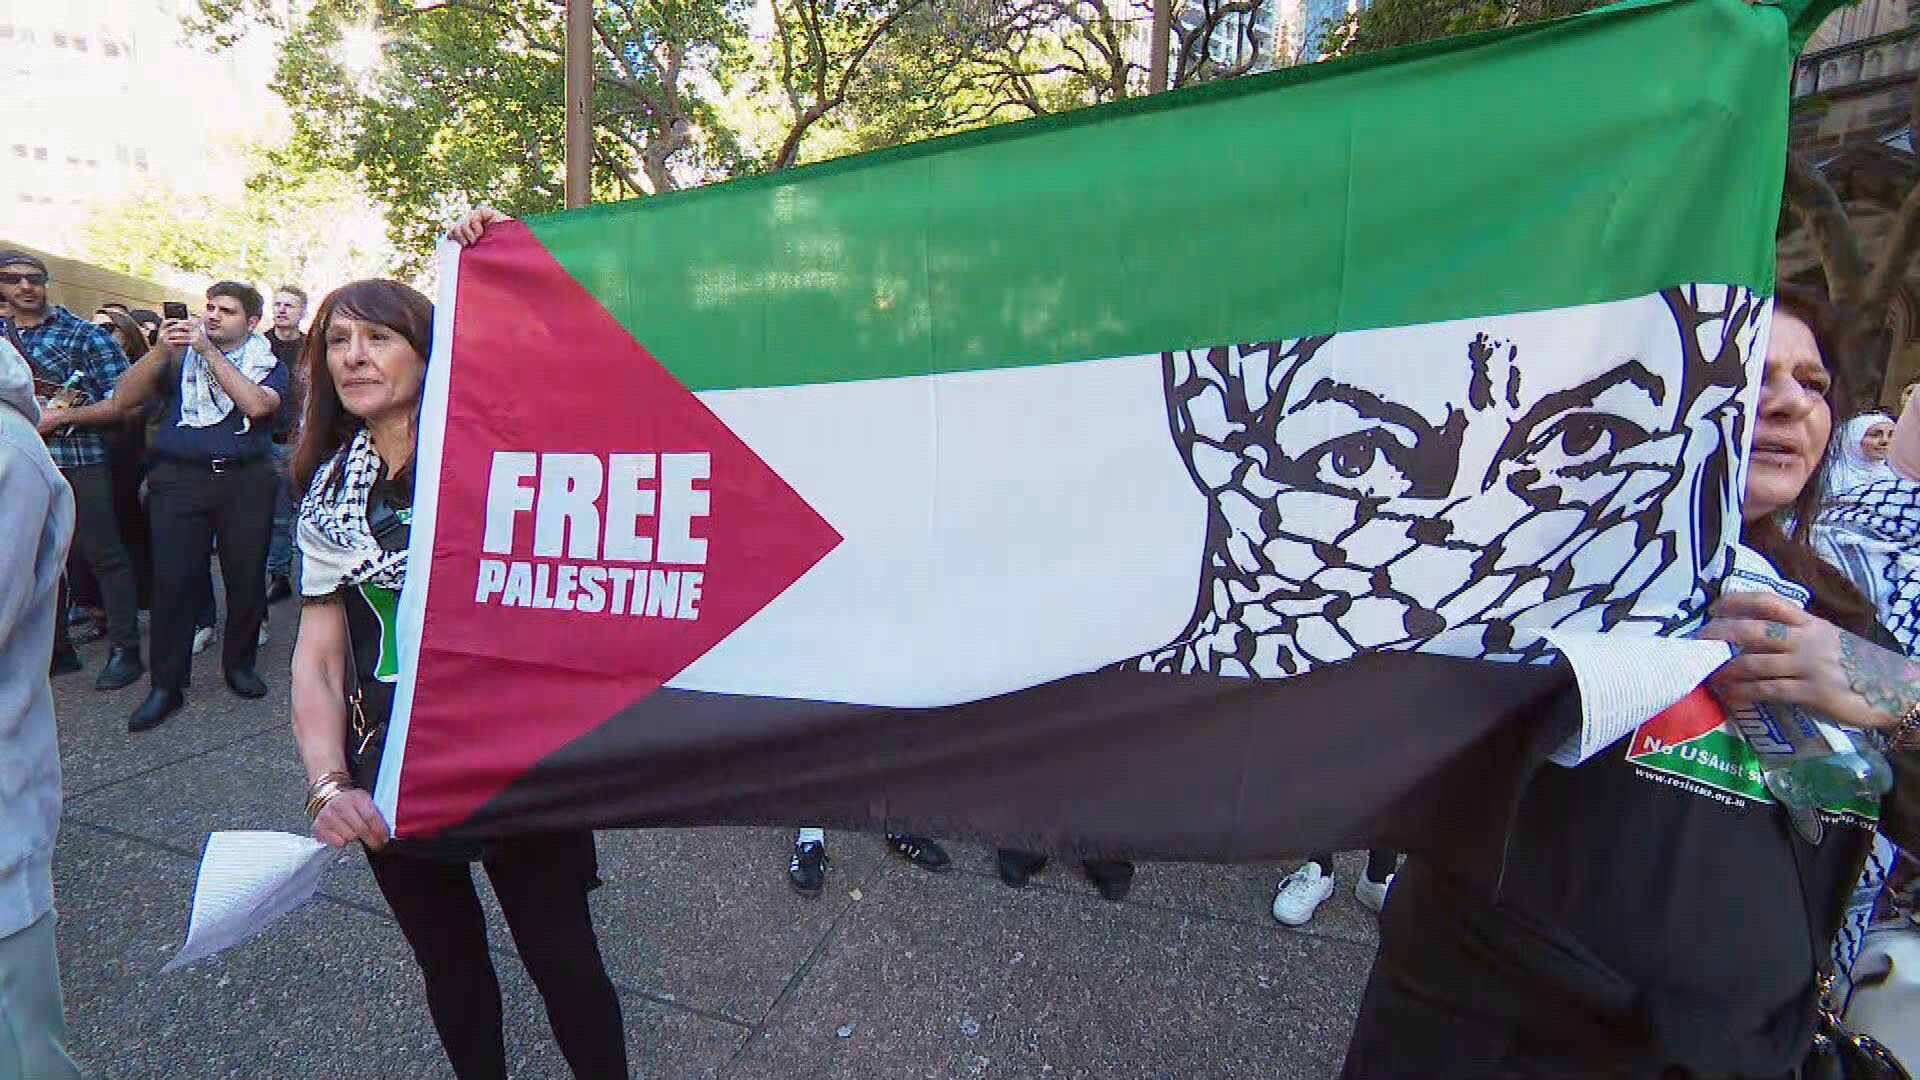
<point>97,749</point>
<point>961,976</point>
<point>1241,893</point>
<point>330,992</point>
<point>662,1042</point>
<point>255,784</point>
<point>705,917</point>
<point>1245,894</point>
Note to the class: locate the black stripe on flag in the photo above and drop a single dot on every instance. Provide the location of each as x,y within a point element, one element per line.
<point>1420,753</point>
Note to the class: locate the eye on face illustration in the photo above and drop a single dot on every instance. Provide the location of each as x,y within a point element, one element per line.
<point>1373,490</point>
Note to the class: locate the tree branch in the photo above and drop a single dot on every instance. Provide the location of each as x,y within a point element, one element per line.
<point>860,54</point>
<point>1820,211</point>
<point>786,59</point>
<point>625,175</point>
<point>1896,252</point>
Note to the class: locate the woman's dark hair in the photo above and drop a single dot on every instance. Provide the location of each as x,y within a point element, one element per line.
<point>1835,598</point>
<point>148,321</point>
<point>327,425</point>
<point>132,339</point>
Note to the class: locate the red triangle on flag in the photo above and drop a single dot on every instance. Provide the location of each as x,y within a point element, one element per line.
<point>1685,720</point>
<point>540,367</point>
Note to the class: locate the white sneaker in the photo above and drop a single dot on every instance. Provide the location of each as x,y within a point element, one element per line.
<point>1370,892</point>
<point>263,638</point>
<point>1301,894</point>
<point>202,640</point>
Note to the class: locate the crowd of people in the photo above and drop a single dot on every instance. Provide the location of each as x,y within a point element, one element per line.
<point>174,433</point>
<point>1636,928</point>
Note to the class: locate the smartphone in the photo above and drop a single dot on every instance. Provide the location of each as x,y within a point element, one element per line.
<point>173,309</point>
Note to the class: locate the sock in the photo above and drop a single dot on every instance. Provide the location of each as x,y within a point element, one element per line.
<point>811,835</point>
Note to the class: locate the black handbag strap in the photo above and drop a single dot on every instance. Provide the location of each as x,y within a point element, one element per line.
<point>359,730</point>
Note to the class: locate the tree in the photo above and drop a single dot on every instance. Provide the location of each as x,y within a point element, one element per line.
<point>290,227</point>
<point>439,104</point>
<point>1862,288</point>
<point>1861,285</point>
<point>1388,24</point>
<point>822,47</point>
<point>988,61</point>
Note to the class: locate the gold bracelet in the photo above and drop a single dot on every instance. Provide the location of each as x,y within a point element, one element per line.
<point>321,797</point>
<point>317,797</point>
<point>1906,735</point>
<point>331,794</point>
<point>324,789</point>
<point>337,774</point>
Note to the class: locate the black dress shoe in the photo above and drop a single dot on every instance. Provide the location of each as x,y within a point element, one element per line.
<point>278,589</point>
<point>123,668</point>
<point>65,662</point>
<point>1017,866</point>
<point>159,705</point>
<point>1113,877</point>
<point>807,869</point>
<point>919,851</point>
<point>246,683</point>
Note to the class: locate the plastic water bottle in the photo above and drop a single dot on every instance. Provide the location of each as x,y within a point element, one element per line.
<point>1807,762</point>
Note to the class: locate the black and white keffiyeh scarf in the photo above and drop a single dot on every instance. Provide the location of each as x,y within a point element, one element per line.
<point>1872,533</point>
<point>337,548</point>
<point>202,401</point>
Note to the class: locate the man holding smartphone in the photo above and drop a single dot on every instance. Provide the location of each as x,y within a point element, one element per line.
<point>215,385</point>
<point>63,349</point>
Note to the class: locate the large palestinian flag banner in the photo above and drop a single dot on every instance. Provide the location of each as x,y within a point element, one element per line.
<point>1190,477</point>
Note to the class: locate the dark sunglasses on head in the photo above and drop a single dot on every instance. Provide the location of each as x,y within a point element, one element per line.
<point>34,278</point>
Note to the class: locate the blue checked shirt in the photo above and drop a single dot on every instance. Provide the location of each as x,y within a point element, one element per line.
<point>61,345</point>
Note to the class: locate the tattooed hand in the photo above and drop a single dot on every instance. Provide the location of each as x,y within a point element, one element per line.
<point>1784,655</point>
<point>1887,681</point>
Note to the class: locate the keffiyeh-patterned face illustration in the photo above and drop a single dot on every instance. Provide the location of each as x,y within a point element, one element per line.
<point>1371,490</point>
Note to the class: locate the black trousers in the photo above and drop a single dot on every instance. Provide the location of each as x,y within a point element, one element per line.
<point>127,464</point>
<point>1381,862</point>
<point>190,505</point>
<point>542,883</point>
<point>96,535</point>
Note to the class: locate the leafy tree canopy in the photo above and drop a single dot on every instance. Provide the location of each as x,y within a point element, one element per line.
<point>1387,24</point>
<point>436,105</point>
<point>290,227</point>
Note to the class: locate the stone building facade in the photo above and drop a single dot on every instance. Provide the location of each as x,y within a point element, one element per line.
<point>1852,93</point>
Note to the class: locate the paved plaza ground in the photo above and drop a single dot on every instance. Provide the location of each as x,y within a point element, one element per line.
<point>722,970</point>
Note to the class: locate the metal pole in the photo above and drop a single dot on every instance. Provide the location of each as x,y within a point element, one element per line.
<point>579,102</point>
<point>1158,41</point>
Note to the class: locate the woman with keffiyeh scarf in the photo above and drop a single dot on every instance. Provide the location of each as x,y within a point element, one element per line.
<point>367,359</point>
<point>1872,533</point>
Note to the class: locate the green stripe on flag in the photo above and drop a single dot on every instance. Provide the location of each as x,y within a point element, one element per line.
<point>1582,160</point>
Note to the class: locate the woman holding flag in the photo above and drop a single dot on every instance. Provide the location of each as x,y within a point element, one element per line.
<point>367,358</point>
<point>1647,922</point>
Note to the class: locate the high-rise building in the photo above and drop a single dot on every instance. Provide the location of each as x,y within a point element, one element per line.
<point>1305,20</point>
<point>1284,32</point>
<point>104,98</point>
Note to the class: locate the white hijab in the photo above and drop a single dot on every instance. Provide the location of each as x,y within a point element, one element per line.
<point>1849,467</point>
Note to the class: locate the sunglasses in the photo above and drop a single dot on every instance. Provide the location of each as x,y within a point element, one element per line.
<point>22,279</point>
